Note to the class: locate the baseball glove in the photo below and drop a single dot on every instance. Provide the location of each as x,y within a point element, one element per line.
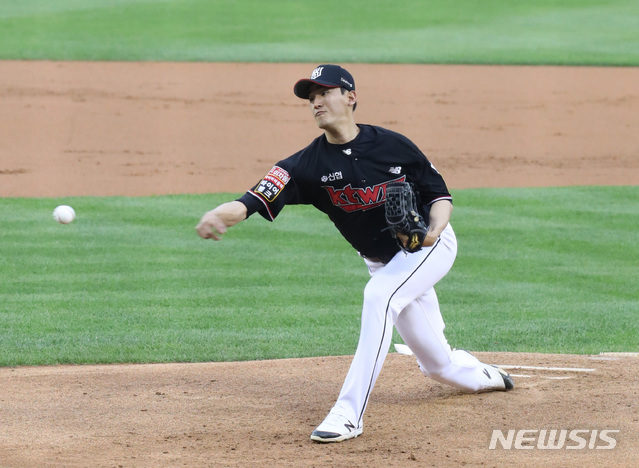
<point>403,218</point>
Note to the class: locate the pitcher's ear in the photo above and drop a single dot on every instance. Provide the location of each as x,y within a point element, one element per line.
<point>352,99</point>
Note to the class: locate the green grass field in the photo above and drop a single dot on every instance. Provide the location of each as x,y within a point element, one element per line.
<point>584,32</point>
<point>548,270</point>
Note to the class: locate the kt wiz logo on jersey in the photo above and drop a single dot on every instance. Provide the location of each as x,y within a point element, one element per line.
<point>355,198</point>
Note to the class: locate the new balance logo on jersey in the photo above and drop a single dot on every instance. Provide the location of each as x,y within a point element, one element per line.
<point>352,198</point>
<point>332,177</point>
<point>347,152</point>
<point>395,170</point>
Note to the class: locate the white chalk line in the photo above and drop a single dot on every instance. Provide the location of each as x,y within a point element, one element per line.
<point>616,354</point>
<point>406,351</point>
<point>547,377</point>
<point>403,349</point>
<point>559,369</point>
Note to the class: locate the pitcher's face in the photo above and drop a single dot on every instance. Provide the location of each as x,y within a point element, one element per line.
<point>330,107</point>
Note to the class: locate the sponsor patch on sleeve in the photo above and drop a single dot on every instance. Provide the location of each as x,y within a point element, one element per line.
<point>272,184</point>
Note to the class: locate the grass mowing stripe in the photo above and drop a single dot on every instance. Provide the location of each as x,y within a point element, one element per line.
<point>133,267</point>
<point>550,270</point>
<point>409,31</point>
<point>558,266</point>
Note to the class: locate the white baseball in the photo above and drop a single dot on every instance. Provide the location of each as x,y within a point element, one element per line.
<point>64,214</point>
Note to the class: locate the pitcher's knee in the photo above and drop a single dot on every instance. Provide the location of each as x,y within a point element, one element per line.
<point>435,371</point>
<point>373,293</point>
<point>375,299</point>
<point>454,376</point>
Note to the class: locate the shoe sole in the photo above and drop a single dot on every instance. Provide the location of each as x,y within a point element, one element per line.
<point>509,383</point>
<point>328,437</point>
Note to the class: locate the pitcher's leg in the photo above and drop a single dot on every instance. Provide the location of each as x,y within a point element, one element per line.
<point>374,341</point>
<point>389,290</point>
<point>345,420</point>
<point>422,328</point>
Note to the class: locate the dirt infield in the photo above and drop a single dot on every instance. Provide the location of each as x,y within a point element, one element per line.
<point>140,129</point>
<point>260,414</point>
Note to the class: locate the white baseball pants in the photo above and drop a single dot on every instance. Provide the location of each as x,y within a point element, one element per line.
<point>401,293</point>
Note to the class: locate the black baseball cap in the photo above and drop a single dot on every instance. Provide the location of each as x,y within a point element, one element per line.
<point>331,76</point>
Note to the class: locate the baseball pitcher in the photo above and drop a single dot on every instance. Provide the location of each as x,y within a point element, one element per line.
<point>392,205</point>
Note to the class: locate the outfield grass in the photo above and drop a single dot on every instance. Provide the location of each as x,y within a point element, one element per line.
<point>548,270</point>
<point>584,32</point>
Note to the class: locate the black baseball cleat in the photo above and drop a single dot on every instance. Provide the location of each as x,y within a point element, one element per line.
<point>509,383</point>
<point>335,428</point>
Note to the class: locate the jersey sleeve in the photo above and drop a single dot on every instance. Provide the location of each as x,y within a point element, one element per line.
<point>269,196</point>
<point>427,178</point>
<point>432,186</point>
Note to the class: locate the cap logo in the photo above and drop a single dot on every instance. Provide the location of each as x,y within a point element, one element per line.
<point>317,73</point>
<point>344,81</point>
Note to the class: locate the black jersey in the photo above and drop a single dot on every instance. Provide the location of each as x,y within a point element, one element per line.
<point>347,182</point>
